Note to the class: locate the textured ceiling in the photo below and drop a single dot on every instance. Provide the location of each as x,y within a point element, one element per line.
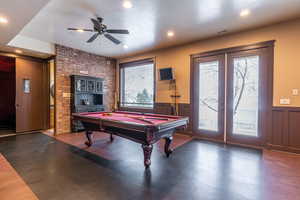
<point>149,20</point>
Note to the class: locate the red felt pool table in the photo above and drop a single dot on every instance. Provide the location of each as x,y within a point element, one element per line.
<point>142,128</point>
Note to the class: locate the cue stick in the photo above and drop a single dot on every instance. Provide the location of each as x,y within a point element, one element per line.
<point>165,119</point>
<point>141,119</point>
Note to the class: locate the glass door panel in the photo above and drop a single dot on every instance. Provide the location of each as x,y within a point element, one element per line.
<point>208,96</point>
<point>245,96</point>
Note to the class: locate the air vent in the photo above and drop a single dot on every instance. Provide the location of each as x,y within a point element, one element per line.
<point>222,32</point>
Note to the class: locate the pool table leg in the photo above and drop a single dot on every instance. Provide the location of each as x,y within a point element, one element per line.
<point>89,138</point>
<point>147,154</point>
<point>168,150</point>
<point>111,138</point>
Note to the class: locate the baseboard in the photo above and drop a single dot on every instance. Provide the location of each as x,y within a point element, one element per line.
<point>208,139</point>
<point>283,148</point>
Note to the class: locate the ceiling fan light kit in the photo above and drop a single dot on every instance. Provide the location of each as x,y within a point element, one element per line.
<point>101,29</point>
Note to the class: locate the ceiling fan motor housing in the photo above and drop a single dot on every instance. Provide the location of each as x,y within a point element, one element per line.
<point>102,28</point>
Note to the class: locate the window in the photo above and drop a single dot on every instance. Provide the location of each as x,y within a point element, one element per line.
<point>209,95</point>
<point>137,84</point>
<point>245,95</point>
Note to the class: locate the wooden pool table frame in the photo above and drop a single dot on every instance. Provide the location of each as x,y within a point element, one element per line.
<point>145,134</point>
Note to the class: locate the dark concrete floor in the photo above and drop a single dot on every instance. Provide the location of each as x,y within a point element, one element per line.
<point>196,170</point>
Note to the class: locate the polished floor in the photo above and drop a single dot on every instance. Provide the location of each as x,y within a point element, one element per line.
<point>54,169</point>
<point>12,186</point>
<point>105,149</point>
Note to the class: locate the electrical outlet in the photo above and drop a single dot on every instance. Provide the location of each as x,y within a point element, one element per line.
<point>285,101</point>
<point>295,92</point>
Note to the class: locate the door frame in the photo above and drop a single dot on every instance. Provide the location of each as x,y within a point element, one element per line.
<point>269,45</point>
<point>216,135</point>
<point>46,108</point>
<point>46,74</point>
<point>54,98</point>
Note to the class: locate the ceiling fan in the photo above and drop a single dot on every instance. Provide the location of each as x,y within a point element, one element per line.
<point>101,29</point>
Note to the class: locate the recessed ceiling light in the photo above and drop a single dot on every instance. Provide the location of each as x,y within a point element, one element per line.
<point>18,51</point>
<point>245,13</point>
<point>3,20</point>
<point>80,30</point>
<point>127,4</point>
<point>170,33</point>
<point>125,46</point>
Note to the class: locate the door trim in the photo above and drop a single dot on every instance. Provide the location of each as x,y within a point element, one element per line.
<point>269,45</point>
<point>2,53</point>
<point>45,81</point>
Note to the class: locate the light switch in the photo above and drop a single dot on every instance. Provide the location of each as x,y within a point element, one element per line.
<point>285,101</point>
<point>295,92</point>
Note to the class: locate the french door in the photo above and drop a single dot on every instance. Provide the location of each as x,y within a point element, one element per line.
<point>209,87</point>
<point>233,90</point>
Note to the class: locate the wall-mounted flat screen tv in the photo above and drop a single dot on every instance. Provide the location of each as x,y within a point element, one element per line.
<point>166,74</point>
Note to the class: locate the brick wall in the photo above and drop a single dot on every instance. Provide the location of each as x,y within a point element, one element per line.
<point>71,61</point>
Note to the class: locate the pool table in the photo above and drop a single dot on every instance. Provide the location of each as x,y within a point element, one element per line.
<point>142,128</point>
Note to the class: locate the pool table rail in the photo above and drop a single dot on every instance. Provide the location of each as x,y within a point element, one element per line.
<point>175,121</point>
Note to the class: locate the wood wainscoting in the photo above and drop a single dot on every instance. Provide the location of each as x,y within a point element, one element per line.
<point>284,133</point>
<point>285,130</point>
<point>184,109</point>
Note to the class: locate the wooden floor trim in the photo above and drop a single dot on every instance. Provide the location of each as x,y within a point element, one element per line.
<point>12,186</point>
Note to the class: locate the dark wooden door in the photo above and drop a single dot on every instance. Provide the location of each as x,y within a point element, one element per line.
<point>30,98</point>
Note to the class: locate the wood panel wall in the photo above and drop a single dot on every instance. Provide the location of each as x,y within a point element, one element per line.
<point>184,109</point>
<point>285,129</point>
<point>285,125</point>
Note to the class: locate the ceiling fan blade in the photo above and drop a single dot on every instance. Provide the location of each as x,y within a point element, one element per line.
<point>118,31</point>
<point>90,30</point>
<point>72,29</point>
<point>78,29</point>
<point>93,38</point>
<point>96,24</point>
<point>111,38</point>
<point>100,19</point>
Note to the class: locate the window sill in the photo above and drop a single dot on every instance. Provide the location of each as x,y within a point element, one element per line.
<point>136,109</point>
